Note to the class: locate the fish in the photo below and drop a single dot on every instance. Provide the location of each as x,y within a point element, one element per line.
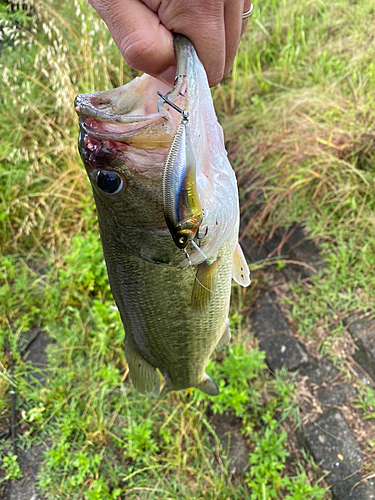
<point>173,296</point>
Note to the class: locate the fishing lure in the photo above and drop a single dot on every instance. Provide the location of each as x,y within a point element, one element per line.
<point>182,209</point>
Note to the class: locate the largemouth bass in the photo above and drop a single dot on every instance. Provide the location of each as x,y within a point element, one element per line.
<point>173,301</point>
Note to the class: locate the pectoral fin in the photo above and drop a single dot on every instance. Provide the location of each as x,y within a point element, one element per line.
<point>240,270</point>
<point>225,338</point>
<point>144,377</point>
<point>204,285</point>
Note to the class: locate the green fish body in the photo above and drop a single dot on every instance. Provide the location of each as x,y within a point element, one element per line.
<point>174,309</point>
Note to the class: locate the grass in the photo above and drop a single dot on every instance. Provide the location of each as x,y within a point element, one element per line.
<point>299,111</point>
<point>105,439</point>
<point>311,78</point>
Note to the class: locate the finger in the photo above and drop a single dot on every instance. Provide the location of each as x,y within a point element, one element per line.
<point>202,22</point>
<point>233,28</point>
<point>145,44</point>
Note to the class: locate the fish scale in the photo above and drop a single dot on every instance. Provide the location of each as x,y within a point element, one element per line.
<point>193,341</point>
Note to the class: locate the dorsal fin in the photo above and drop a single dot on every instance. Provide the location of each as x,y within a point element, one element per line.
<point>240,270</point>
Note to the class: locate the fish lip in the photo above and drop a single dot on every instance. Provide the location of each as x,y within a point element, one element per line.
<point>127,114</point>
<point>117,136</point>
<point>122,104</point>
<point>86,109</point>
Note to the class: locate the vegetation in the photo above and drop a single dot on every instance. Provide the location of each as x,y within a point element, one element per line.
<point>306,69</point>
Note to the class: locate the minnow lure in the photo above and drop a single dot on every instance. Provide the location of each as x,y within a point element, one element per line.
<point>182,209</point>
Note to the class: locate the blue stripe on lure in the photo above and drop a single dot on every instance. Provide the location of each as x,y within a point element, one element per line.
<point>181,206</point>
<point>180,176</point>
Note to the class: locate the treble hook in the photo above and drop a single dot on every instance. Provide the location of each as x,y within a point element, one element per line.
<point>197,237</point>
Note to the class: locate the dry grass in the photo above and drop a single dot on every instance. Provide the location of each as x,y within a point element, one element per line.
<point>50,201</point>
<point>306,163</point>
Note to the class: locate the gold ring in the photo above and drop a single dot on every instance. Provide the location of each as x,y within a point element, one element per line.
<point>247,14</point>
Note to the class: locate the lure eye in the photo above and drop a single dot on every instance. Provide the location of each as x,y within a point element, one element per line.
<point>109,182</point>
<point>182,240</point>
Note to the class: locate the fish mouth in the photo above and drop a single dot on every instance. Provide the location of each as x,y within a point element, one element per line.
<point>128,114</point>
<point>133,114</point>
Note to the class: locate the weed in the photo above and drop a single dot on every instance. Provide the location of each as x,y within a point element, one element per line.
<point>366,402</point>
<point>316,162</point>
<point>299,488</point>
<point>11,467</point>
<point>234,374</point>
<point>267,462</point>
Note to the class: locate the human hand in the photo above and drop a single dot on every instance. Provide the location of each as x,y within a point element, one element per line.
<point>142,30</point>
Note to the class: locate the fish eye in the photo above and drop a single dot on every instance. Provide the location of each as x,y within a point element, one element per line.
<point>182,240</point>
<point>108,181</point>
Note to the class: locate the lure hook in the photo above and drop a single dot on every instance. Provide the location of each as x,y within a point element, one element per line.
<point>198,237</point>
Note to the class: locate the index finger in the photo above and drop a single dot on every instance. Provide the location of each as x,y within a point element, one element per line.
<point>203,24</point>
<point>145,44</point>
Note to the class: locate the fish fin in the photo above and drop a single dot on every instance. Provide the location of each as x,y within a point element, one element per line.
<point>240,270</point>
<point>204,285</point>
<point>165,391</point>
<point>144,377</point>
<point>208,386</point>
<point>225,338</point>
